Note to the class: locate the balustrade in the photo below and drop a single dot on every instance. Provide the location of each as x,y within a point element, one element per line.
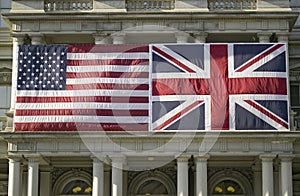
<point>232,4</point>
<point>63,5</point>
<point>150,5</point>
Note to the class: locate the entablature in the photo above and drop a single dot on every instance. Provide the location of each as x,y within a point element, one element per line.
<point>83,23</point>
<point>156,144</point>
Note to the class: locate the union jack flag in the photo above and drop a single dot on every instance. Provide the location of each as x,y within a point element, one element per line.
<point>219,87</point>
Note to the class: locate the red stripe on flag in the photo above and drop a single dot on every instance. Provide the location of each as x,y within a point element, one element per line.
<point>107,75</point>
<point>255,60</point>
<point>183,66</point>
<point>180,86</point>
<point>122,48</point>
<point>82,112</point>
<point>79,127</point>
<point>218,87</point>
<point>106,99</point>
<point>106,62</point>
<point>261,85</point>
<point>265,112</point>
<point>111,86</point>
<point>178,115</point>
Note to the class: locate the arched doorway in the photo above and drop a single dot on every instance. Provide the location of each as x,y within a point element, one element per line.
<point>70,183</point>
<point>154,183</point>
<point>229,183</point>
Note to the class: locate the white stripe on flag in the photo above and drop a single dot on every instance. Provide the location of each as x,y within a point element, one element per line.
<point>107,80</point>
<point>111,68</point>
<point>84,105</point>
<point>85,119</point>
<point>88,92</point>
<point>108,56</point>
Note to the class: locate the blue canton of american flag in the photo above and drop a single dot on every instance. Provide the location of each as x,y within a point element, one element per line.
<point>42,68</point>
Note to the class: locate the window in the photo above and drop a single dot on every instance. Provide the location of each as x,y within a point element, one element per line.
<point>295,101</point>
<point>77,187</point>
<point>228,187</point>
<point>4,99</point>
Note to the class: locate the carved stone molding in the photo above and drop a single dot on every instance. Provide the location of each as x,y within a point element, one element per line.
<point>5,78</point>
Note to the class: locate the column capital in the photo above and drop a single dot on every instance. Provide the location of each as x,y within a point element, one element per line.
<point>15,158</point>
<point>283,37</point>
<point>33,158</point>
<point>200,37</point>
<point>36,38</point>
<point>102,159</point>
<point>286,157</point>
<point>101,38</point>
<point>183,158</point>
<point>18,38</point>
<point>202,158</point>
<point>182,37</point>
<point>118,38</point>
<point>120,159</point>
<point>264,37</point>
<point>267,157</point>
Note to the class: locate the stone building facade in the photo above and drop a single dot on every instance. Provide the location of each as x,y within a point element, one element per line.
<point>256,163</point>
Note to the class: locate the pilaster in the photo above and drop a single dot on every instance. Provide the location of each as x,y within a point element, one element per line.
<point>14,177</point>
<point>201,175</point>
<point>36,39</point>
<point>18,39</point>
<point>200,37</point>
<point>264,37</point>
<point>101,38</point>
<point>267,174</point>
<point>182,175</point>
<point>98,177</point>
<point>118,38</point>
<point>117,163</point>
<point>286,174</point>
<point>33,175</point>
<point>181,37</point>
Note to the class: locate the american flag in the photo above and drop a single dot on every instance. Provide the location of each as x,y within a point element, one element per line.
<point>82,87</point>
<point>219,87</point>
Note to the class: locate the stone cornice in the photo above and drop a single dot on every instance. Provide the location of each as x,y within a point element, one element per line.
<point>267,135</point>
<point>151,15</point>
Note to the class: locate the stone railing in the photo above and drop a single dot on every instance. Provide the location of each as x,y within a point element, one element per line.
<point>68,5</point>
<point>231,4</point>
<point>149,5</point>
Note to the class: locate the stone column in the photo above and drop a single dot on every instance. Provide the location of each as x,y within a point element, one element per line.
<point>117,163</point>
<point>118,38</point>
<point>98,177</point>
<point>267,174</point>
<point>264,37</point>
<point>201,175</point>
<point>183,175</point>
<point>286,174</point>
<point>45,182</point>
<point>36,39</point>
<point>257,178</point>
<point>101,38</point>
<point>14,177</point>
<point>33,176</point>
<point>17,40</point>
<point>283,37</point>
<point>200,37</point>
<point>181,37</point>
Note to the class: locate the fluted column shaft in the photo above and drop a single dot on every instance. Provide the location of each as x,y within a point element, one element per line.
<point>183,176</point>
